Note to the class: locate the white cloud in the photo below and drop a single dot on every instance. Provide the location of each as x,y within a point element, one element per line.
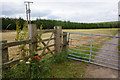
<point>72,10</point>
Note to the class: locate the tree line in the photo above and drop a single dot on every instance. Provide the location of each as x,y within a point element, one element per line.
<point>10,24</point>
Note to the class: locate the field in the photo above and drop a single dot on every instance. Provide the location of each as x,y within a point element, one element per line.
<point>61,68</point>
<point>10,35</point>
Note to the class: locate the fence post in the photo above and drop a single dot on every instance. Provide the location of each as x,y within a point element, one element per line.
<point>58,39</point>
<point>5,56</point>
<point>65,47</point>
<point>32,30</point>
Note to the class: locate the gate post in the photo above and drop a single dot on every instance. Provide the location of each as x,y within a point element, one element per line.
<point>32,30</point>
<point>58,39</point>
<point>65,47</point>
<point>5,56</point>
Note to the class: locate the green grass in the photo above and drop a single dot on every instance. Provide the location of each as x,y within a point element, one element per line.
<point>85,52</point>
<point>61,67</point>
<point>68,69</point>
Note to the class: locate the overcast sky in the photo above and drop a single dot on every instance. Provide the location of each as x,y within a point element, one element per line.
<point>68,10</point>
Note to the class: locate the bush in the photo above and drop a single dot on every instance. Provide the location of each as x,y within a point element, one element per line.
<point>34,69</point>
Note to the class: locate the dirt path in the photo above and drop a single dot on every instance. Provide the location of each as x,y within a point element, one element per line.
<point>94,71</point>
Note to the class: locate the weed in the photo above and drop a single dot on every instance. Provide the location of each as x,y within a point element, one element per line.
<point>59,57</point>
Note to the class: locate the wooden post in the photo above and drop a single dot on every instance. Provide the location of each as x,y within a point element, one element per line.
<point>32,30</point>
<point>58,39</point>
<point>65,47</point>
<point>5,56</point>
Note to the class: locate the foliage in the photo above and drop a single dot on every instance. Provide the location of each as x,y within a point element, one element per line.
<point>38,68</point>
<point>17,71</point>
<point>12,23</point>
<point>59,57</point>
<point>34,69</point>
<point>49,24</point>
<point>66,69</point>
<point>39,37</point>
<point>22,35</point>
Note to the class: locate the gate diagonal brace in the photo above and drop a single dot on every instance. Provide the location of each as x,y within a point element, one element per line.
<point>46,45</point>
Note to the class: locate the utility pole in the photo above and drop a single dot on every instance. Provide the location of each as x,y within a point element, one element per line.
<point>26,14</point>
<point>28,11</point>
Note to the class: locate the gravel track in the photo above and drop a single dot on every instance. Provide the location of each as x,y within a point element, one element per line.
<point>94,71</point>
